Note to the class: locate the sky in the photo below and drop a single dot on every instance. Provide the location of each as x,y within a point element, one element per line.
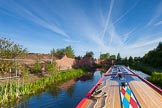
<point>128,27</point>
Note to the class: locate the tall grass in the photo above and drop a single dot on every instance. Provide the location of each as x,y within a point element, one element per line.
<point>156,78</point>
<point>13,91</point>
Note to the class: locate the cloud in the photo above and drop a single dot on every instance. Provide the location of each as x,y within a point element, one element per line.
<point>145,43</point>
<point>113,35</point>
<point>124,14</point>
<point>158,23</point>
<point>127,36</point>
<point>71,40</point>
<point>156,15</point>
<point>141,46</point>
<point>108,18</point>
<point>30,15</point>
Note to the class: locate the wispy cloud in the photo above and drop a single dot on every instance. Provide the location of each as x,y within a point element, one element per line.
<point>108,18</point>
<point>124,14</point>
<point>158,23</point>
<point>71,40</point>
<point>110,26</point>
<point>156,15</point>
<point>145,43</point>
<point>26,13</point>
<point>127,35</point>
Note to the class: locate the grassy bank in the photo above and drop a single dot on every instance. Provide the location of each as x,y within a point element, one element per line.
<point>156,78</point>
<point>14,91</point>
<point>145,68</point>
<point>155,74</point>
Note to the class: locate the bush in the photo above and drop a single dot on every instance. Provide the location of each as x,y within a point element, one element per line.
<point>25,72</point>
<point>51,68</point>
<point>156,78</point>
<point>37,67</point>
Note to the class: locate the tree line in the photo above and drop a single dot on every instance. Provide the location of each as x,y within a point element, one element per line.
<point>69,52</point>
<point>59,53</point>
<point>10,51</point>
<point>154,57</point>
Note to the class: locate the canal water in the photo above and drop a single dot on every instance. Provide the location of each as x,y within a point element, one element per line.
<point>67,95</point>
<point>140,73</point>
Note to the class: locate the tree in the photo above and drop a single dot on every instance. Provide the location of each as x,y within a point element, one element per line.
<point>118,58</point>
<point>69,52</point>
<point>89,54</point>
<point>154,57</point>
<point>9,50</point>
<point>125,61</point>
<point>37,67</point>
<point>51,68</point>
<point>159,47</point>
<point>112,57</point>
<point>59,53</point>
<point>130,60</point>
<point>104,56</point>
<point>78,57</point>
<point>137,59</point>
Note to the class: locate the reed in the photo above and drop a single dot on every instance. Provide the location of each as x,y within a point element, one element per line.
<point>13,91</point>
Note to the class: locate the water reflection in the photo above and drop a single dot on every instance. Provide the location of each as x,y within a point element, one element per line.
<point>87,76</point>
<point>71,90</point>
<point>69,86</point>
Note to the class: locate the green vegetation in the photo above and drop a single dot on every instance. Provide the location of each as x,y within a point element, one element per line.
<point>10,50</point>
<point>112,57</point>
<point>37,67</point>
<point>142,68</point>
<point>154,57</point>
<point>104,56</point>
<point>156,78</point>
<point>89,54</point>
<point>68,51</point>
<point>24,71</point>
<point>118,58</point>
<point>12,91</point>
<point>9,91</point>
<point>150,63</point>
<point>51,68</point>
<point>107,56</point>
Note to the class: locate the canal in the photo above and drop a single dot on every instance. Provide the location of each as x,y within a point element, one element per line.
<point>67,95</point>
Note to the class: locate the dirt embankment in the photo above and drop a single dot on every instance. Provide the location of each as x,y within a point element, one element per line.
<point>31,58</point>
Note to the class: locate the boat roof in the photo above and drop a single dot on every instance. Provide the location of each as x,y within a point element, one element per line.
<point>126,91</point>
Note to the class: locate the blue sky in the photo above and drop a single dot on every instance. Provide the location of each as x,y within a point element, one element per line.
<point>131,27</point>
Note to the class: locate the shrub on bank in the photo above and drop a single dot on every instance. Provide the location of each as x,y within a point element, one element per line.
<point>51,68</point>
<point>36,67</point>
<point>156,78</point>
